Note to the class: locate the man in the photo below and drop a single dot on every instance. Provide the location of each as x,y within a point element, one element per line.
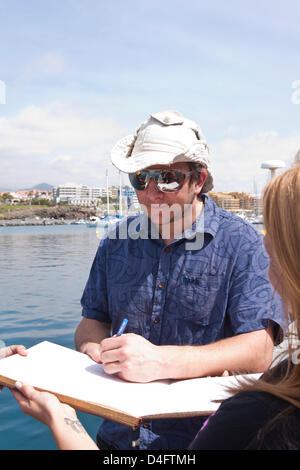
<point>197,296</point>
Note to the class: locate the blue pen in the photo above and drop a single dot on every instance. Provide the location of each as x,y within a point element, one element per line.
<point>122,327</point>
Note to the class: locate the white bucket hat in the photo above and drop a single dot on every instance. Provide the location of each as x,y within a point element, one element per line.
<point>165,138</point>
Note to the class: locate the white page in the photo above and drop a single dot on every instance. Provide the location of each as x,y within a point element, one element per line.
<point>194,395</point>
<point>62,370</point>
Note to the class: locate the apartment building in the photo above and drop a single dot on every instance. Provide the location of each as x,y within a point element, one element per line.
<point>237,201</point>
<point>225,200</point>
<point>79,194</point>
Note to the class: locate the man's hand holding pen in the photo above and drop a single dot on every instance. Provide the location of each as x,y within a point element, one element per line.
<point>134,359</point>
<point>131,357</point>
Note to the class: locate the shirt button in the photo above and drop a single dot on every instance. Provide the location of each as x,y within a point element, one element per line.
<point>161,285</point>
<point>156,320</point>
<point>167,249</point>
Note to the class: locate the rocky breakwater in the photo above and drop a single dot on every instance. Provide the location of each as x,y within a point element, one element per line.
<point>52,215</point>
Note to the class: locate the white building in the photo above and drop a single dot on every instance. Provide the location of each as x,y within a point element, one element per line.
<point>78,194</point>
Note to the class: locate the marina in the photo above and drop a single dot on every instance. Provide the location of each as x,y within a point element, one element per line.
<point>103,221</point>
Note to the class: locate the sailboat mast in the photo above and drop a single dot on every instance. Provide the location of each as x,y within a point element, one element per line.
<point>107,195</point>
<point>120,194</point>
<point>255,193</point>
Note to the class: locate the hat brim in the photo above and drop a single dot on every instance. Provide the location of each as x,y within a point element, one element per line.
<point>122,159</point>
<point>147,159</point>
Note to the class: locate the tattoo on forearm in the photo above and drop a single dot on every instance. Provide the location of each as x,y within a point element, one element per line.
<point>75,425</point>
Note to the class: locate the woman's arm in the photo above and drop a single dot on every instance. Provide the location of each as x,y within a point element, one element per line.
<point>61,419</point>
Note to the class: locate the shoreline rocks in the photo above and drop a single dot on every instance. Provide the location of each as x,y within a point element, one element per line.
<point>52,215</point>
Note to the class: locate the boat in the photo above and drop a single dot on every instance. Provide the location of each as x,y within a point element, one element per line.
<point>93,222</point>
<point>258,220</point>
<point>77,222</point>
<point>103,222</point>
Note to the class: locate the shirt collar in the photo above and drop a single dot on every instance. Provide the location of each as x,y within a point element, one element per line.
<point>207,222</point>
<point>211,216</point>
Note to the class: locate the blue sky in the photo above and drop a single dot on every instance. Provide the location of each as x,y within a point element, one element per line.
<point>80,74</point>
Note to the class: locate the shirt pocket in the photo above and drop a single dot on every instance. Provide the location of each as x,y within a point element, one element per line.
<point>201,294</point>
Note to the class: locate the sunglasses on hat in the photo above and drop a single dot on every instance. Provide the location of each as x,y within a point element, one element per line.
<point>168,181</point>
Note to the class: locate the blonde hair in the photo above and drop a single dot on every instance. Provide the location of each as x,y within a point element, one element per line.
<point>282,224</point>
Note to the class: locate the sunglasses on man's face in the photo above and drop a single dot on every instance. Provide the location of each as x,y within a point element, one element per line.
<point>168,181</point>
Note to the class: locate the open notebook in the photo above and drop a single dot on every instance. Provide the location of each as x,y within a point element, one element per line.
<point>77,380</point>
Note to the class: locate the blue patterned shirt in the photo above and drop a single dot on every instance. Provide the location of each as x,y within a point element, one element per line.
<point>179,295</point>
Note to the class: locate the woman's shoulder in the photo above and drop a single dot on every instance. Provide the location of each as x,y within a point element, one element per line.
<point>272,422</point>
<point>251,419</point>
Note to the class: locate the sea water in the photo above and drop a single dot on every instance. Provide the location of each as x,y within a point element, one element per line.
<point>43,274</point>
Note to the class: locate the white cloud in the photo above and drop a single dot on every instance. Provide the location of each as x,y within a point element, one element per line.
<point>237,162</point>
<point>58,143</point>
<point>54,142</point>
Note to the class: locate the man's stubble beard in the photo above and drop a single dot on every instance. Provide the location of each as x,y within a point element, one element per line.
<point>180,219</point>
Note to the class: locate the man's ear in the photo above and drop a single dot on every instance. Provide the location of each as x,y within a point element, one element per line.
<point>201,180</point>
